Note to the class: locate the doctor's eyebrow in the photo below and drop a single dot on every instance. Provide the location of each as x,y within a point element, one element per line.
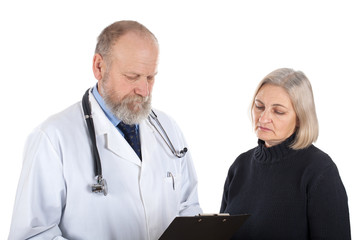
<point>138,74</point>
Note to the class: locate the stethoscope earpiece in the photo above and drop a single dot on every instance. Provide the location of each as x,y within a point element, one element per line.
<point>183,151</point>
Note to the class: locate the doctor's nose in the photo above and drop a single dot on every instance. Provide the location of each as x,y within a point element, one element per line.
<point>142,88</point>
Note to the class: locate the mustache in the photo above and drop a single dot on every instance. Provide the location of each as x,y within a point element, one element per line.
<point>135,98</point>
<point>131,108</point>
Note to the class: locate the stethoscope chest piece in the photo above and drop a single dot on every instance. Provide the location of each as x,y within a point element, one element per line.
<point>100,187</point>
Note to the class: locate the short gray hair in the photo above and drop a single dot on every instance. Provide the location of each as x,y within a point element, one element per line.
<point>113,32</point>
<point>298,86</point>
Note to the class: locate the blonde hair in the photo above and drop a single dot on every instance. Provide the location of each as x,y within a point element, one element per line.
<point>297,85</point>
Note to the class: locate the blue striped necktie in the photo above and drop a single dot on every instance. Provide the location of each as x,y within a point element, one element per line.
<point>131,136</point>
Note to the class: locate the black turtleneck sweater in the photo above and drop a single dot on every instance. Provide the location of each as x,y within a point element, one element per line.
<point>290,194</point>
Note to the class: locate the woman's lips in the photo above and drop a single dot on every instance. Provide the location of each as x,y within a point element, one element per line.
<point>264,129</point>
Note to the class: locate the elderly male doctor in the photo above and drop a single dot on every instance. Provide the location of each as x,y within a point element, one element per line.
<point>148,186</point>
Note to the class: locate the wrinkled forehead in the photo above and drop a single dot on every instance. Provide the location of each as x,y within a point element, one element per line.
<point>135,54</point>
<point>273,94</point>
<point>135,43</point>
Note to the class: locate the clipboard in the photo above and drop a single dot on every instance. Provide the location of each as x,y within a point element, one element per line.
<point>209,227</point>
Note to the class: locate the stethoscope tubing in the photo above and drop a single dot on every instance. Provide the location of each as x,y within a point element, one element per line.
<point>90,124</point>
<point>167,140</point>
<point>101,186</point>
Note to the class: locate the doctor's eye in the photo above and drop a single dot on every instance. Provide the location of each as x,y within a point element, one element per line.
<point>150,78</point>
<point>132,77</point>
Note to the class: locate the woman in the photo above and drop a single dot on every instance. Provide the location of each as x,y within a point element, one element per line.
<point>291,189</point>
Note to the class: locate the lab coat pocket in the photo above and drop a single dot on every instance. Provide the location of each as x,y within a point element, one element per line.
<point>172,182</point>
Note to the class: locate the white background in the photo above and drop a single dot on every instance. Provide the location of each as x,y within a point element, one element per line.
<point>213,54</point>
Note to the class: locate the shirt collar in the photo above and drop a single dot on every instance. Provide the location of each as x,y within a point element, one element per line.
<point>113,119</point>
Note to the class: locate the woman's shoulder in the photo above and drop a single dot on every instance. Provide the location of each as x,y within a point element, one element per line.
<point>318,163</point>
<point>243,158</point>
<point>317,157</point>
<point>246,155</point>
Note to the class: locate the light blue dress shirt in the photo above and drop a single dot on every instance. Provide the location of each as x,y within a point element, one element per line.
<point>113,119</point>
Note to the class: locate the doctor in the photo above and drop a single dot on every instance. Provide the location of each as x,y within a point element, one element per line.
<point>147,185</point>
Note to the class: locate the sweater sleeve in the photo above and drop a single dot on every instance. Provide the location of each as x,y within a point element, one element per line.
<point>328,213</point>
<point>224,197</point>
<point>224,201</point>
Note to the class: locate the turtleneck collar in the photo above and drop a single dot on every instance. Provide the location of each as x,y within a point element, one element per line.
<point>275,153</point>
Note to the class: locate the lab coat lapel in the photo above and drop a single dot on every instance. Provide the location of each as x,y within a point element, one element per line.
<point>107,133</point>
<point>147,140</point>
<point>119,146</point>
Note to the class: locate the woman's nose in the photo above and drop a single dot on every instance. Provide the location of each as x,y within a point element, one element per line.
<point>265,117</point>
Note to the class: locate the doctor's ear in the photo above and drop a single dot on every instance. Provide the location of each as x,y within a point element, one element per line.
<point>99,66</point>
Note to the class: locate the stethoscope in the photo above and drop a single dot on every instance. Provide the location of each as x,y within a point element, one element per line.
<point>101,185</point>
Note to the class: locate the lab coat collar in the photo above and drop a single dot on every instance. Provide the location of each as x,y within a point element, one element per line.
<point>114,141</point>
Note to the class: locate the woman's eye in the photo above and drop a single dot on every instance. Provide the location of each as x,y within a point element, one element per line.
<point>259,107</point>
<point>279,112</point>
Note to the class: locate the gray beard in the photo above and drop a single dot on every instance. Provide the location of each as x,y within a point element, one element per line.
<point>131,110</point>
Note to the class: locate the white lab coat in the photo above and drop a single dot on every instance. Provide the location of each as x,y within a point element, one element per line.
<point>54,198</point>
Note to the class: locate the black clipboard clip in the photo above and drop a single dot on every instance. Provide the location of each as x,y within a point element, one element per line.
<point>219,226</point>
